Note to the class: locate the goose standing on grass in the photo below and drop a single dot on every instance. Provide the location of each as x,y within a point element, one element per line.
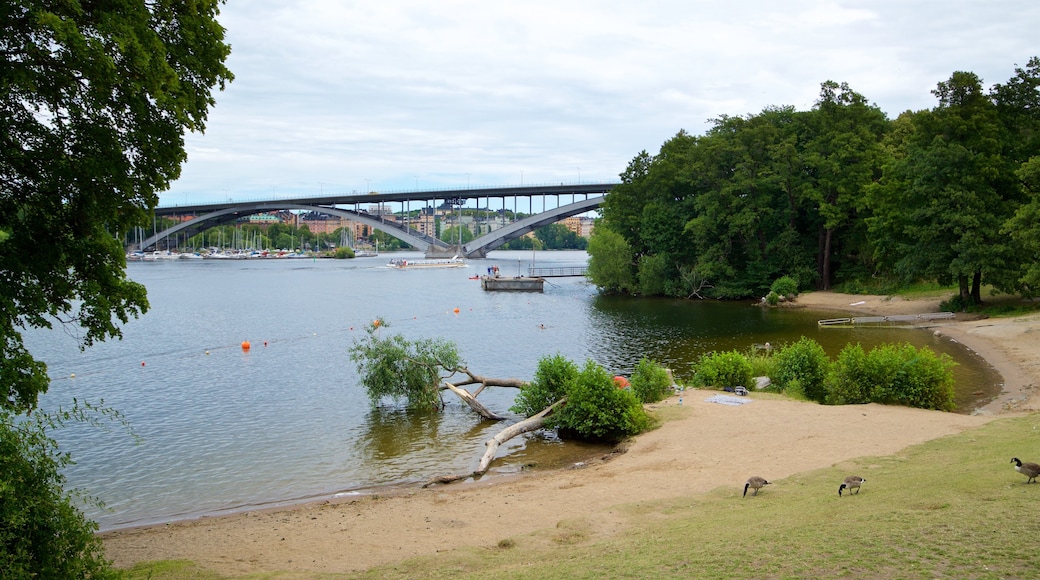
<point>754,483</point>
<point>1030,470</point>
<point>851,482</point>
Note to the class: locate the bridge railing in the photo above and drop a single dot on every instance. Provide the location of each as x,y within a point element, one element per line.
<point>557,272</point>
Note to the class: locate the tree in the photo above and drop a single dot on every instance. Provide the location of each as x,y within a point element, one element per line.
<point>451,234</point>
<point>558,237</point>
<point>941,204</point>
<point>843,156</point>
<point>610,261</point>
<point>94,102</point>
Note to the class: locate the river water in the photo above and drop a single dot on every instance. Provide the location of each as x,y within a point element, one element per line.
<point>223,429</point>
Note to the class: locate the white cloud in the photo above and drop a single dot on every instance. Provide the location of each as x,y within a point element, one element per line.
<point>338,96</point>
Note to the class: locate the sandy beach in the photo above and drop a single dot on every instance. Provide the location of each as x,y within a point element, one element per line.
<point>705,446</point>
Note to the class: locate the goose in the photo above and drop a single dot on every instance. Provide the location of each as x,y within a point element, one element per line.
<point>1030,470</point>
<point>851,482</point>
<point>754,483</point>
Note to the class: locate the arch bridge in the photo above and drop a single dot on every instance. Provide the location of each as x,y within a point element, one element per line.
<point>205,216</point>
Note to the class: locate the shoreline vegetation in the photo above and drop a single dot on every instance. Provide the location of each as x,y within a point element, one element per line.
<point>701,454</point>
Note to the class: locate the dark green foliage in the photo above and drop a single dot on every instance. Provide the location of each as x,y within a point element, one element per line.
<point>94,100</point>
<point>805,362</point>
<point>785,286</point>
<point>42,535</point>
<point>650,381</point>
<point>723,369</point>
<point>343,253</point>
<point>397,368</point>
<point>551,381</point>
<point>596,410</point>
<point>838,195</point>
<point>653,275</point>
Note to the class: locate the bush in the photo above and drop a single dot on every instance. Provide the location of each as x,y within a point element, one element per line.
<point>893,374</point>
<point>912,377</point>
<point>723,369</point>
<point>553,378</point>
<point>850,378</point>
<point>343,253</point>
<point>596,410</point>
<point>772,298</point>
<point>784,286</point>
<point>806,362</point>
<point>42,535</point>
<point>650,381</point>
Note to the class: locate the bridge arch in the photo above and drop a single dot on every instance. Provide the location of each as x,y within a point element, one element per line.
<point>212,215</point>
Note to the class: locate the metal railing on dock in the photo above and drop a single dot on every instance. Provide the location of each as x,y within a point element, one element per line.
<point>557,272</point>
<point>886,320</point>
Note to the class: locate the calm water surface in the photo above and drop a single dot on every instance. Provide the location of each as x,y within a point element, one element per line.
<point>223,429</point>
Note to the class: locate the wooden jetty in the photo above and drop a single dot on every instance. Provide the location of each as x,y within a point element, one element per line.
<point>892,320</point>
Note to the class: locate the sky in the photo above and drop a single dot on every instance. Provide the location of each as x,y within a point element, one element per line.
<point>337,96</point>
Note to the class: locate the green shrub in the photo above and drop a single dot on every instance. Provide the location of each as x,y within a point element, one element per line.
<point>723,369</point>
<point>596,410</point>
<point>343,253</point>
<point>893,374</point>
<point>785,286</point>
<point>805,361</point>
<point>650,381</point>
<point>42,535</point>
<point>552,380</point>
<point>850,379</point>
<point>912,377</point>
<point>772,298</point>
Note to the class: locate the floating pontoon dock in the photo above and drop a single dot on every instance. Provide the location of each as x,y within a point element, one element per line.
<point>886,320</point>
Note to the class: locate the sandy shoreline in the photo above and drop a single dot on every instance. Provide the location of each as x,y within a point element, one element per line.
<point>707,446</point>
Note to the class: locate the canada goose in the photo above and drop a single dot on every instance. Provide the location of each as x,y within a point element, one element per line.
<point>851,482</point>
<point>1030,470</point>
<point>754,483</point>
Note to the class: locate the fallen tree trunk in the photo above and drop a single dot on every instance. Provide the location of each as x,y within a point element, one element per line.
<point>532,423</point>
<point>473,403</point>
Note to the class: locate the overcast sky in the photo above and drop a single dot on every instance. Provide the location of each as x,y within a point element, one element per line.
<point>385,95</point>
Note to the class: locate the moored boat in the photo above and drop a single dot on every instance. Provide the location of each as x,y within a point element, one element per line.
<point>405,264</point>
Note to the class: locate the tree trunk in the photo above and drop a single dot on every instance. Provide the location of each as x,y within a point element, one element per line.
<point>473,403</point>
<point>827,259</point>
<point>532,423</point>
<point>962,282</point>
<point>976,287</point>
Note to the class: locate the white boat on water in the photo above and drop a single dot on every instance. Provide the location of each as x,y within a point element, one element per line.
<point>405,264</point>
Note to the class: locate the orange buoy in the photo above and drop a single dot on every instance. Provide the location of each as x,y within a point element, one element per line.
<point>621,382</point>
<point>376,323</point>
<point>456,310</point>
<point>245,345</point>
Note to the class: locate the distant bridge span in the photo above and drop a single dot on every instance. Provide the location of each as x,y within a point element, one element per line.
<point>214,214</point>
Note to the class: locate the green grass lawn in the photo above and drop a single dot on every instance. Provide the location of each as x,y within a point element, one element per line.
<point>950,508</point>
